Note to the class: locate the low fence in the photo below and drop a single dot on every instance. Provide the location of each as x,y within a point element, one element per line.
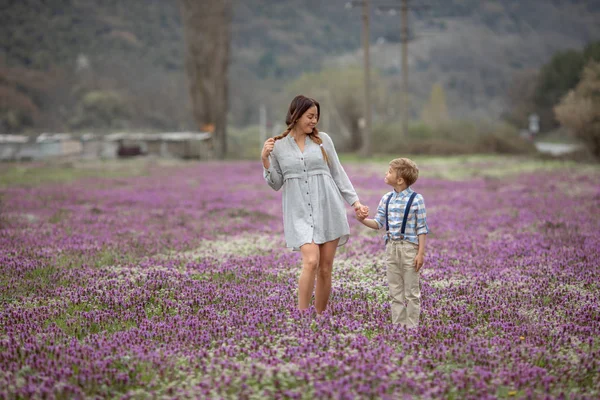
<point>194,145</point>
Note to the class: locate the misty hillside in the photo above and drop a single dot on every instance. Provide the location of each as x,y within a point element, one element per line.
<point>471,47</point>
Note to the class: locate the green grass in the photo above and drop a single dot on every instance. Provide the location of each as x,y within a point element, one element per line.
<point>59,216</point>
<point>444,167</point>
<point>44,274</point>
<point>75,325</point>
<point>35,174</point>
<point>469,166</point>
<point>32,281</point>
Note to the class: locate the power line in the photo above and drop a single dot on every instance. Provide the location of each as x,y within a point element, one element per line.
<point>402,8</point>
<point>405,37</point>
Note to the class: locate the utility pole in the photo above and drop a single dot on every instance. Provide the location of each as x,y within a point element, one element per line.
<point>404,41</point>
<point>365,149</point>
<point>405,37</point>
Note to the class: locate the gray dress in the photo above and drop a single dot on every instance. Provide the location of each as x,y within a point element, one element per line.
<point>313,208</point>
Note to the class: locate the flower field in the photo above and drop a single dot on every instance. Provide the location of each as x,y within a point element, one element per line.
<point>173,282</point>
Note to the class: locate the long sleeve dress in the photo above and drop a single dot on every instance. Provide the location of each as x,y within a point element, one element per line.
<point>313,191</point>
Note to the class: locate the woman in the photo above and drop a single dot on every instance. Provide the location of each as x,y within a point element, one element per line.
<point>303,161</point>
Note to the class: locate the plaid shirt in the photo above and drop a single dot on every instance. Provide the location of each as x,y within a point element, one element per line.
<point>416,223</point>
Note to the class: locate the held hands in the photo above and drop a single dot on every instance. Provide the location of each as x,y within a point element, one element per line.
<point>267,148</point>
<point>361,211</point>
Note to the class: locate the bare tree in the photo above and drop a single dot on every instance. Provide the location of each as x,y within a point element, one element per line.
<point>207,35</point>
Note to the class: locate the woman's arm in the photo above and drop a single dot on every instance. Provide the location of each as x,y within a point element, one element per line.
<point>272,172</point>
<point>339,175</point>
<point>271,169</point>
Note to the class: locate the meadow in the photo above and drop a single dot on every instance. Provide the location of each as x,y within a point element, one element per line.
<point>150,279</point>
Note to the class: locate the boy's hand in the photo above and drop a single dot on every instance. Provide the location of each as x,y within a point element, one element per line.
<point>362,212</point>
<point>419,261</point>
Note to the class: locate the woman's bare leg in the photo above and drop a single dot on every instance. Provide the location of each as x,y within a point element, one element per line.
<point>306,283</point>
<point>323,290</point>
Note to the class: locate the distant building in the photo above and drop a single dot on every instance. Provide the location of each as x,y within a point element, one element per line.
<point>11,146</point>
<point>52,145</point>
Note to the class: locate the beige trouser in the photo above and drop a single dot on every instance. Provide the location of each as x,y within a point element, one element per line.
<point>403,280</point>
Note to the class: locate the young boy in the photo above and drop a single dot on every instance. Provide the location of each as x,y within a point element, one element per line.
<point>406,228</point>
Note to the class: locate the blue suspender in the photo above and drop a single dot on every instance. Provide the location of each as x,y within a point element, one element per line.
<point>406,212</point>
<point>387,225</point>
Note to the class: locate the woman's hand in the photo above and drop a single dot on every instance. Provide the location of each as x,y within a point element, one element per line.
<point>267,148</point>
<point>361,211</point>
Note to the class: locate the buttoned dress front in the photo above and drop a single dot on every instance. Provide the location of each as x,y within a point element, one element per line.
<point>313,191</point>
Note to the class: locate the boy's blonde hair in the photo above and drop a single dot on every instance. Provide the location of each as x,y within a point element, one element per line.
<point>406,169</point>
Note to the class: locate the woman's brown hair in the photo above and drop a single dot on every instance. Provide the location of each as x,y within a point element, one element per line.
<point>299,105</point>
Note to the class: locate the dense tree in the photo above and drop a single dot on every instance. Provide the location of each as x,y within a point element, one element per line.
<point>23,94</point>
<point>137,48</point>
<point>557,77</point>
<point>560,75</point>
<point>579,110</point>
